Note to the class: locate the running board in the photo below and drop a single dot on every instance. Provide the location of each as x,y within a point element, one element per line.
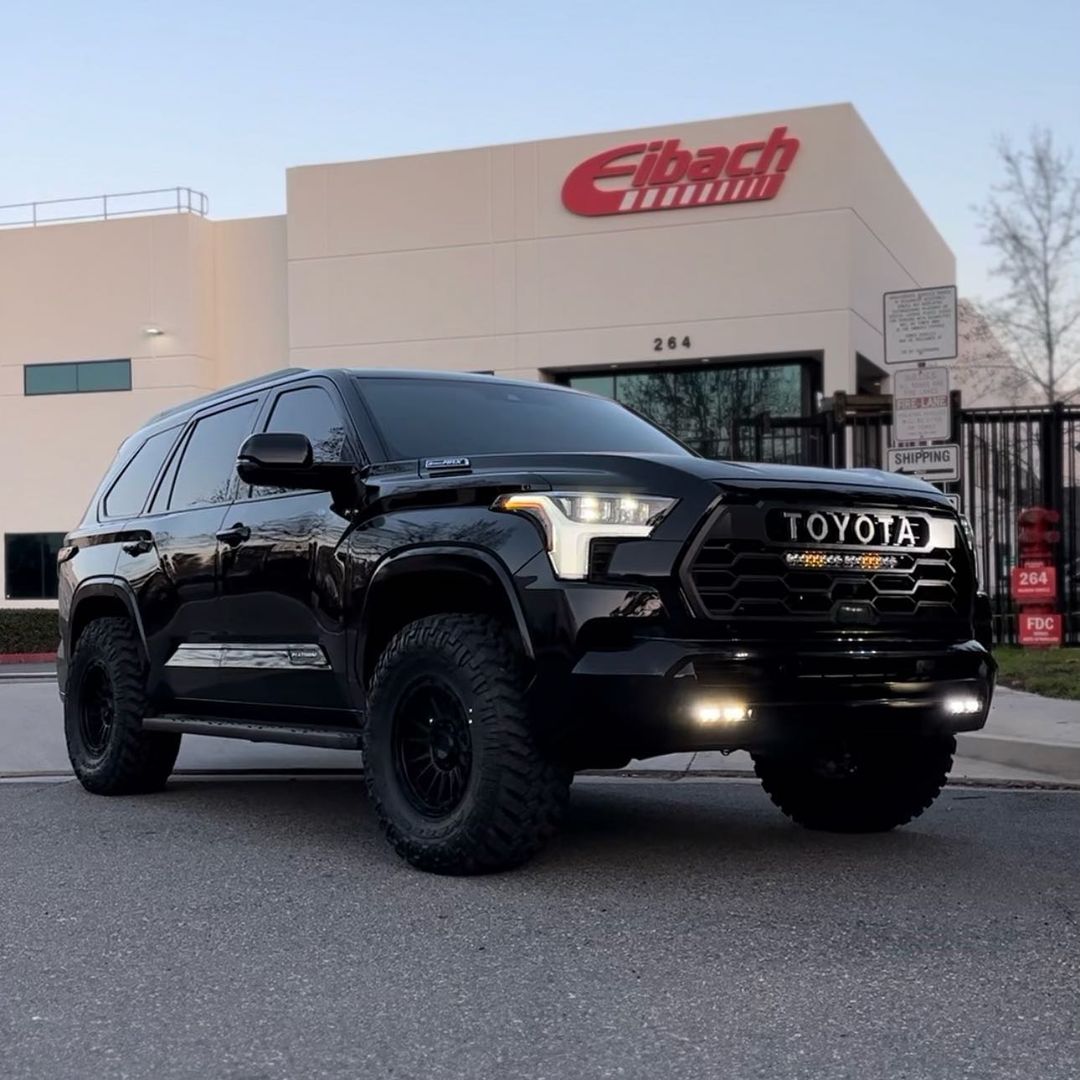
<point>333,738</point>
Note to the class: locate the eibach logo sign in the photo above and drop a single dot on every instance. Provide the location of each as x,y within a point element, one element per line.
<point>666,176</point>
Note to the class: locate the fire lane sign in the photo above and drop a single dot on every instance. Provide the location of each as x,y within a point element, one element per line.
<point>937,463</point>
<point>920,325</point>
<point>921,404</point>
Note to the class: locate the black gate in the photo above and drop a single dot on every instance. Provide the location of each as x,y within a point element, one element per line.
<point>1011,459</point>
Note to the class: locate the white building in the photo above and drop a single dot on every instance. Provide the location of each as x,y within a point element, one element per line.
<point>691,269</point>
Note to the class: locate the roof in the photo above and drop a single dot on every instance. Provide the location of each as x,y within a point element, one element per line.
<point>287,374</point>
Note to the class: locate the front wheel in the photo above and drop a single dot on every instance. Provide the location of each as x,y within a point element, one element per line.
<point>857,784</point>
<point>457,776</point>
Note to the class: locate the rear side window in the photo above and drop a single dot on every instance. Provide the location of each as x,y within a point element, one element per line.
<point>441,417</point>
<point>206,471</point>
<point>309,411</point>
<point>127,496</point>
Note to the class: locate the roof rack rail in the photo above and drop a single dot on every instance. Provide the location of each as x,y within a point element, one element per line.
<point>247,384</point>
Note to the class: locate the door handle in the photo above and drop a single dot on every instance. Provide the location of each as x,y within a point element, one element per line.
<point>137,547</point>
<point>234,534</point>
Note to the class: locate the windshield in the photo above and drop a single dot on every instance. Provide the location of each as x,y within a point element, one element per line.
<point>438,417</point>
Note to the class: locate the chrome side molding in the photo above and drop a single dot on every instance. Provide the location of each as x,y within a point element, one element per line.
<point>279,657</point>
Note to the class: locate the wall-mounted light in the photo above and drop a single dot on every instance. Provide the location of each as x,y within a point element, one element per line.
<point>153,331</point>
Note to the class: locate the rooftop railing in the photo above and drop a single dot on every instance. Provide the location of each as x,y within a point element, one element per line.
<point>178,200</point>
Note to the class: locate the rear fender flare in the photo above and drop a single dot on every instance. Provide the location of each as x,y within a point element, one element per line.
<point>114,588</point>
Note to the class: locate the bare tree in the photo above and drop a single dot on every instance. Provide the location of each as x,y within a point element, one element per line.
<point>1032,220</point>
<point>985,371</point>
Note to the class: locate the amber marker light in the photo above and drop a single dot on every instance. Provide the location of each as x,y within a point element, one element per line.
<point>830,560</point>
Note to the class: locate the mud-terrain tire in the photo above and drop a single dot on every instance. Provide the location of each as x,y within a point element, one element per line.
<point>104,705</point>
<point>858,785</point>
<point>457,777</point>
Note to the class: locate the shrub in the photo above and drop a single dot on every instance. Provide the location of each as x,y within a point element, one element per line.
<point>28,630</point>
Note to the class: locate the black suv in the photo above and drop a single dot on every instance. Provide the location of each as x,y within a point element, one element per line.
<point>487,585</point>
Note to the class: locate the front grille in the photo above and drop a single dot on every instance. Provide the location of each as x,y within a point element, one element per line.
<point>738,578</point>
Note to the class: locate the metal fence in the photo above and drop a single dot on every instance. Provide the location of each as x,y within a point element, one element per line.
<point>1011,459</point>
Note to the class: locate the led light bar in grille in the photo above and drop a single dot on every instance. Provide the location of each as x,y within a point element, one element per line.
<point>828,560</point>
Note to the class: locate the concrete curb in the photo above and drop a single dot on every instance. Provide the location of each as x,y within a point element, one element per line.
<point>1054,759</point>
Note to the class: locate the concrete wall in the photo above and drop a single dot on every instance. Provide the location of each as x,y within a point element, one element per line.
<point>251,298</point>
<point>87,291</point>
<point>469,260</point>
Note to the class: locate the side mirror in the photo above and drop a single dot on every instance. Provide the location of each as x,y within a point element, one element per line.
<point>272,450</point>
<point>285,460</point>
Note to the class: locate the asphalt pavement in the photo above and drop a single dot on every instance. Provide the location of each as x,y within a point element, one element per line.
<point>254,929</point>
<point>32,741</point>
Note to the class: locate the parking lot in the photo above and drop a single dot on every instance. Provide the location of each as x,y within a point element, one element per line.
<point>244,926</point>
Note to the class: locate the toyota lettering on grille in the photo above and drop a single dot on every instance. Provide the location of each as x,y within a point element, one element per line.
<point>849,528</point>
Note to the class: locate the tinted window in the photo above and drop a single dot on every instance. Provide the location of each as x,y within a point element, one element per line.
<point>127,496</point>
<point>206,472</point>
<point>82,377</point>
<point>30,565</point>
<point>435,417</point>
<point>309,411</point>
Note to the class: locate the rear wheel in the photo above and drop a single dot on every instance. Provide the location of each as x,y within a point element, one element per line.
<point>857,784</point>
<point>457,776</point>
<point>104,705</point>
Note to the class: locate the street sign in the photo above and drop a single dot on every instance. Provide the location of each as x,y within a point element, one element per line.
<point>920,325</point>
<point>1039,629</point>
<point>1034,583</point>
<point>938,463</point>
<point>921,404</point>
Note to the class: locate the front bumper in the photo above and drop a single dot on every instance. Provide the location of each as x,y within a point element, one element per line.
<point>649,695</point>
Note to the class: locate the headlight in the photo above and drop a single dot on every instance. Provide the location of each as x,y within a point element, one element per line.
<point>572,520</point>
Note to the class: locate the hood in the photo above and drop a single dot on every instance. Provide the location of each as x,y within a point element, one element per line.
<point>655,474</point>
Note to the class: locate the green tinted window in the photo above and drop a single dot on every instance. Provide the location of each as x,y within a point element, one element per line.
<point>81,377</point>
<point>104,375</point>
<point>51,378</point>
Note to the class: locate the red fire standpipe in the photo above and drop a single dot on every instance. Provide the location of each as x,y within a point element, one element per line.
<point>1034,581</point>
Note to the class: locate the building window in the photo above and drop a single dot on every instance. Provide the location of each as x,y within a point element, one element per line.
<point>714,407</point>
<point>79,377</point>
<point>30,565</point>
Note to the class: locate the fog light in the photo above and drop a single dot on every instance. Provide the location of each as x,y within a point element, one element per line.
<point>727,712</point>
<point>962,705</point>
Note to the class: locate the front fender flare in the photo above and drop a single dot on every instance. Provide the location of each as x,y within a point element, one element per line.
<point>442,556</point>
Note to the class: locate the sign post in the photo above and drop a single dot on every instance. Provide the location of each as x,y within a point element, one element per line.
<point>919,326</point>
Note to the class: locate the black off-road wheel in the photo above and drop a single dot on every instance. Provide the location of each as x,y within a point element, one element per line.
<point>103,712</point>
<point>458,778</point>
<point>858,785</point>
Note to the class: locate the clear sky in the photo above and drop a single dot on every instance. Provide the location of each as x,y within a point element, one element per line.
<point>114,95</point>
